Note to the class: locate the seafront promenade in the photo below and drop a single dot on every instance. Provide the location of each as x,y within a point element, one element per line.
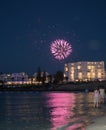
<point>80,86</point>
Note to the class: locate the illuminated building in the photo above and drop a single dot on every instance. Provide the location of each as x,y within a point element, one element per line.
<point>14,78</point>
<point>85,71</point>
<point>5,77</point>
<point>19,78</point>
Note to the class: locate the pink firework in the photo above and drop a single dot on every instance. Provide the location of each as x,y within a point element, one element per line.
<point>61,49</point>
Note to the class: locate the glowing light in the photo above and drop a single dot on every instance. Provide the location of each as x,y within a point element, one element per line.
<point>61,49</point>
<point>62,108</point>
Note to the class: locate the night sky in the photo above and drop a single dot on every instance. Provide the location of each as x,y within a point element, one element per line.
<point>27,28</point>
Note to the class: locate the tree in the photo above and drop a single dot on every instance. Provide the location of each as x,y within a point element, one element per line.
<point>66,78</point>
<point>44,77</point>
<point>1,73</point>
<point>59,77</point>
<point>31,79</point>
<point>38,76</point>
<point>49,78</point>
<point>1,83</point>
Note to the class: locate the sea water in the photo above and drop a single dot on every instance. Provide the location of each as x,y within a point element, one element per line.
<point>45,110</point>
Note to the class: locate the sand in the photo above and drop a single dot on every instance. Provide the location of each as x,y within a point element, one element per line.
<point>99,124</point>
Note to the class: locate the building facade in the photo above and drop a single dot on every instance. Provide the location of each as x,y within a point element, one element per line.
<point>85,71</point>
<point>5,77</point>
<point>19,77</point>
<point>14,78</point>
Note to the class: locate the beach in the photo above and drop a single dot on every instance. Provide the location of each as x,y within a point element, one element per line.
<point>99,124</point>
<point>99,121</point>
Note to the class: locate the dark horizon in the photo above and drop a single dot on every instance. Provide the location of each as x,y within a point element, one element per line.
<point>27,28</point>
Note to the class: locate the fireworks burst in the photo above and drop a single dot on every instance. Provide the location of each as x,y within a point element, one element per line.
<point>61,49</point>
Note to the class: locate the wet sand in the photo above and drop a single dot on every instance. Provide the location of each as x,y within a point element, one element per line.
<point>99,124</point>
<point>97,118</point>
<point>99,121</point>
<point>88,117</point>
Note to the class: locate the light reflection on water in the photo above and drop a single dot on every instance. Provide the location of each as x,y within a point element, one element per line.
<point>45,110</point>
<point>62,105</point>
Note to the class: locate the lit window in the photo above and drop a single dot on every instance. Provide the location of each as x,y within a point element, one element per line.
<point>79,67</point>
<point>72,68</point>
<point>93,75</point>
<point>89,67</point>
<point>80,75</point>
<point>88,75</point>
<point>99,75</point>
<point>72,71</point>
<point>66,68</point>
<point>93,67</point>
<point>72,76</point>
<point>99,70</point>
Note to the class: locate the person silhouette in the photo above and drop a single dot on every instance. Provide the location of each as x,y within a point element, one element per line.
<point>96,98</point>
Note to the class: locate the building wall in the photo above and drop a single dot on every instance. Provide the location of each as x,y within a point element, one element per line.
<point>19,76</point>
<point>5,77</point>
<point>14,78</point>
<point>85,71</point>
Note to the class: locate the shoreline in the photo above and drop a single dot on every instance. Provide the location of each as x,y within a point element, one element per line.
<point>98,123</point>
<point>81,86</point>
<point>92,122</point>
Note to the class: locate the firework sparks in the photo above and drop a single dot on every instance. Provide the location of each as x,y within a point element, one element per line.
<point>61,49</point>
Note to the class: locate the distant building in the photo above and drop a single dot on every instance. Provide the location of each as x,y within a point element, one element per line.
<point>85,71</point>
<point>5,77</point>
<point>19,76</point>
<point>14,78</point>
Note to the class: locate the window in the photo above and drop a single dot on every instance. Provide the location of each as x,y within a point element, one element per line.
<point>66,69</point>
<point>78,67</point>
<point>99,75</point>
<point>80,75</point>
<point>72,68</point>
<point>89,67</point>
